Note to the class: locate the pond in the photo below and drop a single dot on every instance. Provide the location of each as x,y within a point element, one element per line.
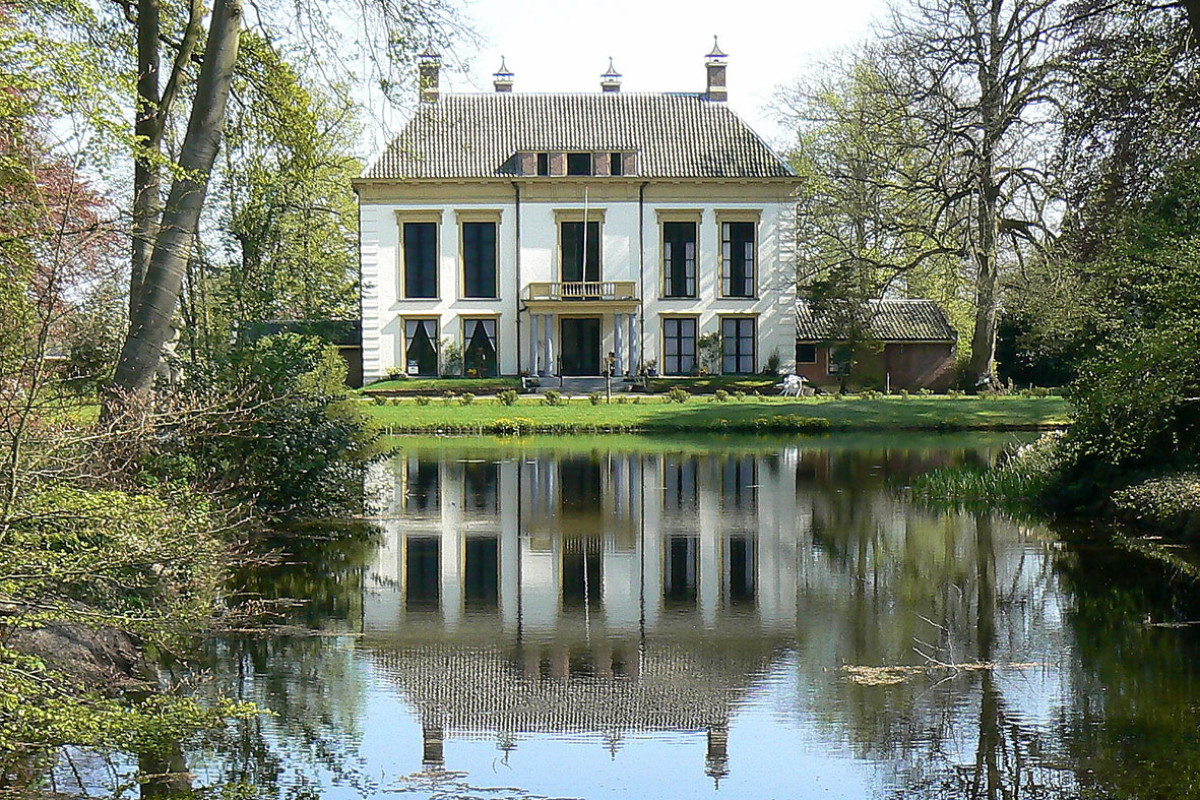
<point>622,617</point>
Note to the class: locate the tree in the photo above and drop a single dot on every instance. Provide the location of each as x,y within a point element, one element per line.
<point>154,297</point>
<point>983,76</point>
<point>868,221</point>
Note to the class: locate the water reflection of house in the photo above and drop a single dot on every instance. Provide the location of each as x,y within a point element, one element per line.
<point>601,595</point>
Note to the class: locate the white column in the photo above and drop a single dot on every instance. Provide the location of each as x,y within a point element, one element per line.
<point>533,344</point>
<point>634,341</point>
<point>618,321</point>
<point>549,368</point>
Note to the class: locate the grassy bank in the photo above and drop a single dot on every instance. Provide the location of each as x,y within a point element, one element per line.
<point>757,415</point>
<point>408,387</point>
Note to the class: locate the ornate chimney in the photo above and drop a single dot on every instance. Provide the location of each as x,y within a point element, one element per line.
<point>429,64</point>
<point>715,66</point>
<point>502,79</point>
<point>610,81</point>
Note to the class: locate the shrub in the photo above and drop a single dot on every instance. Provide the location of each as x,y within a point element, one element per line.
<point>508,397</point>
<point>466,399</point>
<point>452,358</point>
<point>709,346</point>
<point>553,398</point>
<point>773,362</point>
<point>448,398</point>
<point>1170,503</point>
<point>903,394</point>
<point>422,400</point>
<point>677,395</point>
<point>721,396</point>
<point>294,444</point>
<point>622,399</point>
<point>379,400</point>
<point>870,394</point>
<point>1131,400</point>
<point>739,395</point>
<point>954,394</point>
<point>596,398</point>
<point>924,392</point>
<point>637,401</point>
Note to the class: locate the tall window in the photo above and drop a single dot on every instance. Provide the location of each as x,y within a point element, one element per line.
<point>679,259</point>
<point>679,345</point>
<point>420,347</point>
<point>479,354</point>
<point>616,164</point>
<point>573,266</point>
<point>737,259</point>
<point>420,259</point>
<point>479,259</point>
<point>737,344</point>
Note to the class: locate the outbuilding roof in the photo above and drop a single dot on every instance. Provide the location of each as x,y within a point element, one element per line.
<point>889,321</point>
<point>681,135</point>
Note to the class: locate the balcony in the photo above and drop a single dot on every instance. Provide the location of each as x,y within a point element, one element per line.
<point>582,291</point>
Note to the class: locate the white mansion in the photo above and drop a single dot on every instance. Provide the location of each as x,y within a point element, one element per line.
<point>554,234</point>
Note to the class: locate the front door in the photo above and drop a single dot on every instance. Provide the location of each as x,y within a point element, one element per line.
<point>580,345</point>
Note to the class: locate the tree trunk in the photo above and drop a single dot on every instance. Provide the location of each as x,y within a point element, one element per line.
<point>983,340</point>
<point>150,320</point>
<point>1193,17</point>
<point>146,128</point>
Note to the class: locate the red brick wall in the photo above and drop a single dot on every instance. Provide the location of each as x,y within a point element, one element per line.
<point>911,366</point>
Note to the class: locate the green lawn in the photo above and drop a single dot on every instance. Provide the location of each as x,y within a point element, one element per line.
<point>710,383</point>
<point>653,415</point>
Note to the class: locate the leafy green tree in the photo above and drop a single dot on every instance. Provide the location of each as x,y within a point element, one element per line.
<point>983,77</point>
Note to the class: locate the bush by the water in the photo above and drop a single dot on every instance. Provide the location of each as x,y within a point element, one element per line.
<point>1169,503</point>
<point>287,438</point>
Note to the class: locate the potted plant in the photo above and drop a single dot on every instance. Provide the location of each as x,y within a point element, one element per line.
<point>452,358</point>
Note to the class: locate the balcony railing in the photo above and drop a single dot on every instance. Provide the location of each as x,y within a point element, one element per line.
<point>583,290</point>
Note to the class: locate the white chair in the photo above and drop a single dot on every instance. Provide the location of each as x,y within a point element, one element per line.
<point>792,386</point>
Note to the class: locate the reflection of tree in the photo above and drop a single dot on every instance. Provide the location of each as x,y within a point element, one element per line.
<point>1134,722</point>
<point>951,593</point>
<point>310,681</point>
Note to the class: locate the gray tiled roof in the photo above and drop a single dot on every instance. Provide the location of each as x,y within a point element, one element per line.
<point>891,321</point>
<point>676,135</point>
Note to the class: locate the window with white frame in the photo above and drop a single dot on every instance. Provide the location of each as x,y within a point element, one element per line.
<point>480,357</point>
<point>679,345</point>
<point>737,258</point>
<point>679,259</point>
<point>419,241</point>
<point>420,347</point>
<point>737,345</point>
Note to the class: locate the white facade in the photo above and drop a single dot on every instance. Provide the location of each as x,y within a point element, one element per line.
<point>529,212</point>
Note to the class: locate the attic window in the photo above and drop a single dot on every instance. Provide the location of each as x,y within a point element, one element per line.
<point>543,163</point>
<point>579,163</point>
<point>616,164</point>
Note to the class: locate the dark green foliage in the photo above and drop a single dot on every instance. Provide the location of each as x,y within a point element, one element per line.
<point>1136,403</point>
<point>295,443</point>
<point>1025,357</point>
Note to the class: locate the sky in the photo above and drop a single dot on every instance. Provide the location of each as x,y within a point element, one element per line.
<point>658,45</point>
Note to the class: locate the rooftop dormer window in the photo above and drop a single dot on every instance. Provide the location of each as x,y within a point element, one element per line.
<point>579,163</point>
<point>557,163</point>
